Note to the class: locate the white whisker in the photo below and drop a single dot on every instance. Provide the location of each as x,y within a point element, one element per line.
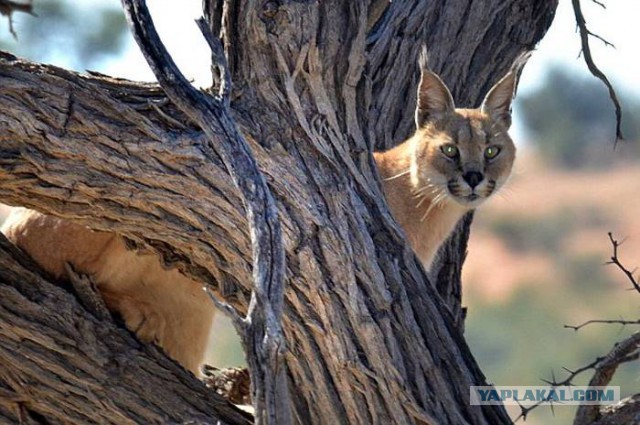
<point>425,191</point>
<point>427,212</point>
<point>434,203</point>
<point>421,201</point>
<point>404,173</point>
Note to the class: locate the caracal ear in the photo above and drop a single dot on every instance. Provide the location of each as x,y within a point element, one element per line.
<point>497,103</point>
<point>434,98</point>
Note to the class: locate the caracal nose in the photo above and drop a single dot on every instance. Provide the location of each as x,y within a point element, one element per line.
<point>473,178</point>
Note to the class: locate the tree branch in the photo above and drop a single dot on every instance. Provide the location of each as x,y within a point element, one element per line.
<point>218,60</point>
<point>595,71</point>
<point>71,143</point>
<point>623,351</point>
<point>612,321</point>
<point>262,334</point>
<point>605,367</point>
<point>8,7</point>
<point>615,261</point>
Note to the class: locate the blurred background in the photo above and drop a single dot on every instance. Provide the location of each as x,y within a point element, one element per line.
<point>538,250</point>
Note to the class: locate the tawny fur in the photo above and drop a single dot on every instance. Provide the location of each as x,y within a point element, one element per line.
<point>159,305</point>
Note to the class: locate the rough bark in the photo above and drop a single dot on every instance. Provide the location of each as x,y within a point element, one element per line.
<point>625,412</point>
<point>318,86</point>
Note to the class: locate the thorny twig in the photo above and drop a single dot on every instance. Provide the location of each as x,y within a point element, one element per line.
<point>628,273</point>
<point>614,260</point>
<point>595,71</point>
<point>524,411</point>
<point>622,352</point>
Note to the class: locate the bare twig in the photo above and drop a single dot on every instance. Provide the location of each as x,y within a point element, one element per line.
<point>218,60</point>
<point>614,321</point>
<point>7,7</point>
<point>595,71</point>
<point>614,260</point>
<point>629,274</point>
<point>601,38</point>
<point>524,411</point>
<point>261,333</point>
<point>621,352</point>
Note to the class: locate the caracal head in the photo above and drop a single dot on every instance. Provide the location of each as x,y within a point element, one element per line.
<point>463,155</point>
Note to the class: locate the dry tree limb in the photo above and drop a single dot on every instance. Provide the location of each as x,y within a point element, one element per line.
<point>625,412</point>
<point>7,7</point>
<point>261,331</point>
<point>366,331</point>
<point>624,351</point>
<point>627,350</point>
<point>219,65</point>
<point>605,321</point>
<point>595,71</point>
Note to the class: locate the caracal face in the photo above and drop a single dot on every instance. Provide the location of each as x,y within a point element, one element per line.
<point>462,155</point>
<point>465,157</point>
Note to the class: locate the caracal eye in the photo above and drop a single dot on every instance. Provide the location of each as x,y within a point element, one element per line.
<point>491,152</point>
<point>449,150</point>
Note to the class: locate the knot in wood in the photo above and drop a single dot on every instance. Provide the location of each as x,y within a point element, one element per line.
<point>270,9</point>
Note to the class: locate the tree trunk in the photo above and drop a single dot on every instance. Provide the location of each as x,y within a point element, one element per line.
<point>317,87</point>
